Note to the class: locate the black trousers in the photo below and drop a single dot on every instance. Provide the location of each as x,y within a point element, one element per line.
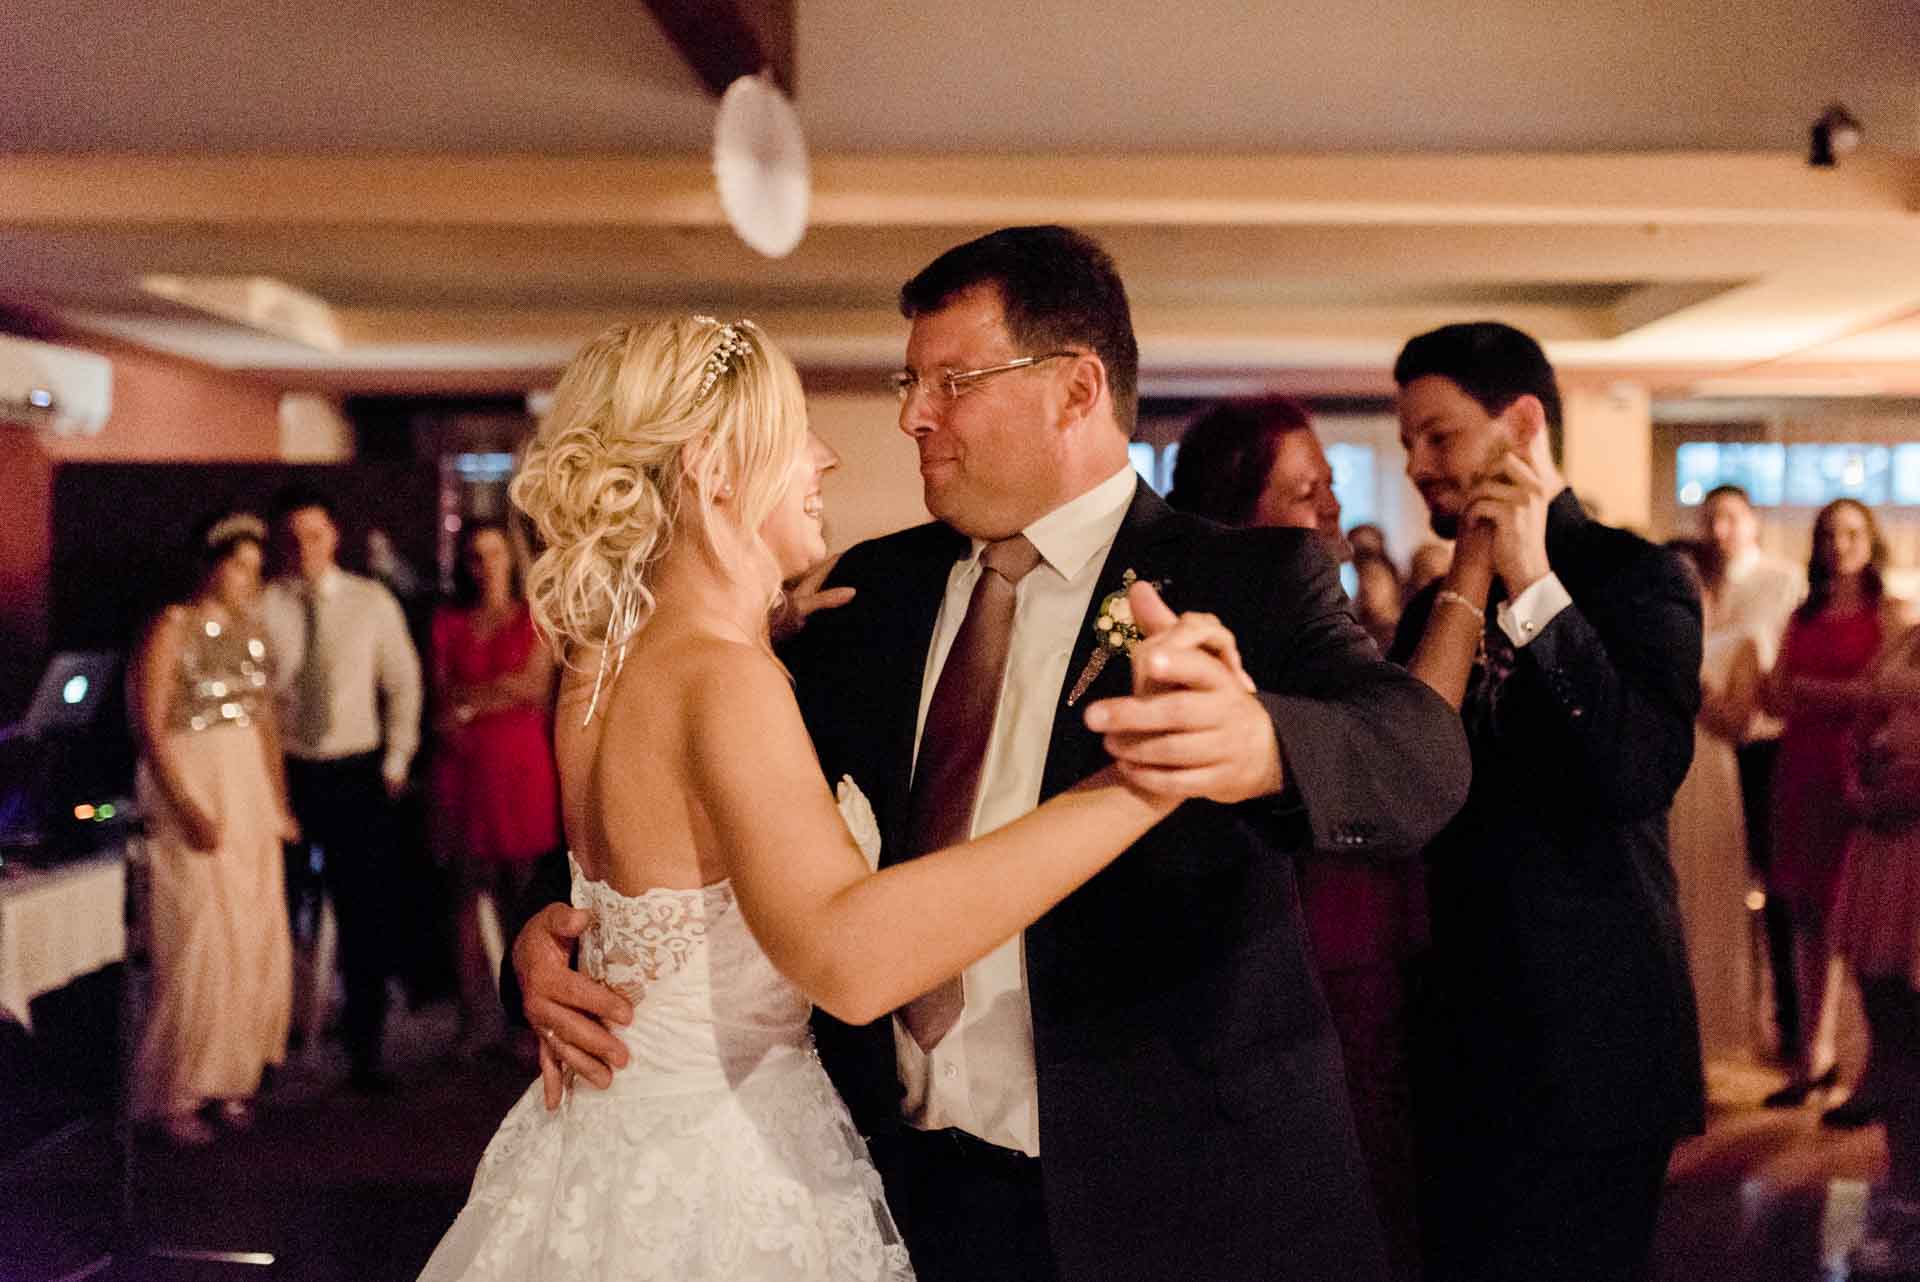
<point>1523,1214</point>
<point>343,809</point>
<point>970,1211</point>
<point>1756,797</point>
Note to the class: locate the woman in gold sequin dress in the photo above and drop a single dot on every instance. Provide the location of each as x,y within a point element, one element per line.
<point>212,786</point>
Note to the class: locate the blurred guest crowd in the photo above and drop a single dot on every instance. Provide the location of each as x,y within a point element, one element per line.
<point>1694,818</point>
<point>279,721</point>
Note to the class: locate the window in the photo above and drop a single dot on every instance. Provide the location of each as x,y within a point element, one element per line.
<point>1146,461</point>
<point>1818,474</point>
<point>1812,475</point>
<point>1906,474</point>
<point>492,468</point>
<point>1355,482</point>
<point>1154,463</point>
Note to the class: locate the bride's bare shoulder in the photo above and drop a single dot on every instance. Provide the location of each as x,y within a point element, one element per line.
<point>693,676</point>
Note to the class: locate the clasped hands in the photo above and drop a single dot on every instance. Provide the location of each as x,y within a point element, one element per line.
<point>1505,517</point>
<point>1191,728</point>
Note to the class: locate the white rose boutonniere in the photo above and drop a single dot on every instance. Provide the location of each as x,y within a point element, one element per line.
<point>858,814</point>
<point>1114,631</point>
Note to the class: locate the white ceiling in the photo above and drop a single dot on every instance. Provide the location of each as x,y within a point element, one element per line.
<point>1285,186</point>
<point>880,75</point>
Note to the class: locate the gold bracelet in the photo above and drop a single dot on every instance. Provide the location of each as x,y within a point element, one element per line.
<point>1447,596</point>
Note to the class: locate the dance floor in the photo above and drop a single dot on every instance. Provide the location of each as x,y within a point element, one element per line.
<point>340,1189</point>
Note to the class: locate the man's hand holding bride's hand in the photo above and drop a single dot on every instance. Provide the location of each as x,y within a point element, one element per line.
<point>570,1012</point>
<point>1192,727</point>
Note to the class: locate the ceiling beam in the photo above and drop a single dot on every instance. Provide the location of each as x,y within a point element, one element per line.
<point>1652,191</point>
<point>723,40</point>
<point>257,302</point>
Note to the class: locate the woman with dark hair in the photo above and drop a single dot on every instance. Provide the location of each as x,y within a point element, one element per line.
<point>495,791</point>
<point>1258,463</point>
<point>1815,688</point>
<point>213,786</point>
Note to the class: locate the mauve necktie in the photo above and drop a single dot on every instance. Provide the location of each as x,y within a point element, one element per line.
<point>313,684</point>
<point>953,744</point>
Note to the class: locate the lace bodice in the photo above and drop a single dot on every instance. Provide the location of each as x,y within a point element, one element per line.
<point>707,1002</point>
<point>720,1153</point>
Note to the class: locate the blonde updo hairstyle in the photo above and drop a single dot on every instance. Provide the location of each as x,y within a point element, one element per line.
<point>639,445</point>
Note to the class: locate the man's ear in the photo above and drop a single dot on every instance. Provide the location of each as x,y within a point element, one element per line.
<point>1527,419</point>
<point>1086,388</point>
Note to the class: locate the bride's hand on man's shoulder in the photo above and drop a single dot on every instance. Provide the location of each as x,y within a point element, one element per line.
<point>571,1014</point>
<point>804,597</point>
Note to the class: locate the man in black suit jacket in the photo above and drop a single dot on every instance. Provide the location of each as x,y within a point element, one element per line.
<point>1146,1084</point>
<point>1558,1055</point>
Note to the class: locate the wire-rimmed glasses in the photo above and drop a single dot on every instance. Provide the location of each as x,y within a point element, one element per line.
<point>948,385</point>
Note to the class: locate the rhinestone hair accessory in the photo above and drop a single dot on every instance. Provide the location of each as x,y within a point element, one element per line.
<point>733,342</point>
<point>238,526</point>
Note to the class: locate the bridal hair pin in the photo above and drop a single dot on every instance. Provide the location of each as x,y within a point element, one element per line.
<point>623,622</point>
<point>241,525</point>
<point>733,342</point>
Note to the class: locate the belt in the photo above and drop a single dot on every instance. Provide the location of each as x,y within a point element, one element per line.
<point>968,1147</point>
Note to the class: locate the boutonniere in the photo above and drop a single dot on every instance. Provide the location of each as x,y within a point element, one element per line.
<point>1114,632</point>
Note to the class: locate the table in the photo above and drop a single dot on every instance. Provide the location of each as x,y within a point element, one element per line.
<point>57,924</point>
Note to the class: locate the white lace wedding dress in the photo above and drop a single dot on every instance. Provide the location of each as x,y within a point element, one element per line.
<point>720,1152</point>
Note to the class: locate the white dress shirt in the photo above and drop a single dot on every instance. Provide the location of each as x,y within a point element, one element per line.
<point>375,683</point>
<point>981,1077</point>
<point>1757,595</point>
<point>1523,618</point>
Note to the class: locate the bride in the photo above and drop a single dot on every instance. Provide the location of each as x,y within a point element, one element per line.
<point>675,487</point>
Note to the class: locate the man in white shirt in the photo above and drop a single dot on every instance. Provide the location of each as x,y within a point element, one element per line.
<point>348,684</point>
<point>1145,1084</point>
<point>1753,595</point>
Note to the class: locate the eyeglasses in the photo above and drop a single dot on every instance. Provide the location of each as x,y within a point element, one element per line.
<point>948,385</point>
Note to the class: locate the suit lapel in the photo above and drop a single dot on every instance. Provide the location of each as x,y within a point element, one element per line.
<point>1147,544</point>
<point>1143,545</point>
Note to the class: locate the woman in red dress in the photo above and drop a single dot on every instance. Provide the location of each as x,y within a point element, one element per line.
<point>1816,688</point>
<point>494,787</point>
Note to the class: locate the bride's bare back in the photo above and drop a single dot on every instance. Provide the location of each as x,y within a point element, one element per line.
<point>632,811</point>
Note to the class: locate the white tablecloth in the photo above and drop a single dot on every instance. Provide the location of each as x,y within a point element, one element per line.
<point>59,924</point>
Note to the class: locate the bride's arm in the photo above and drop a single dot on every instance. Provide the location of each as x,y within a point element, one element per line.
<point>859,943</point>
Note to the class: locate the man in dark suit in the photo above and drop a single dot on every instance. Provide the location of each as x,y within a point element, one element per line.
<point>1558,1056</point>
<point>1145,1084</point>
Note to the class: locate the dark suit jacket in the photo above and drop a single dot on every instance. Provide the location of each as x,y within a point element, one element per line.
<point>1193,1116</point>
<point>1559,1012</point>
